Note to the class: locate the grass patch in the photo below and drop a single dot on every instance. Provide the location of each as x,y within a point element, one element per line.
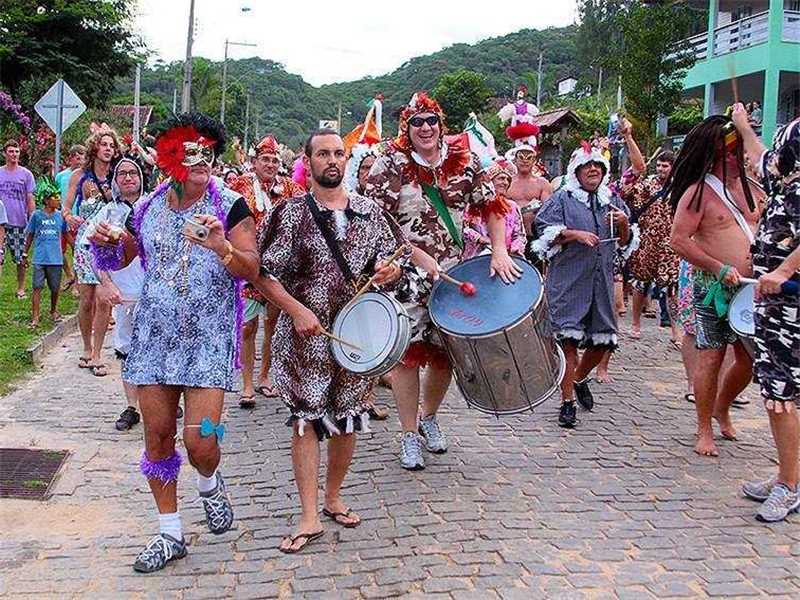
<point>15,316</point>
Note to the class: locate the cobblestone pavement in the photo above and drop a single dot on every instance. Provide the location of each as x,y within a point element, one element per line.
<point>518,508</point>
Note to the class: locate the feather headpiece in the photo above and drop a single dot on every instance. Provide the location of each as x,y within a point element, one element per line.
<point>267,145</point>
<point>186,140</point>
<point>46,188</point>
<point>420,103</point>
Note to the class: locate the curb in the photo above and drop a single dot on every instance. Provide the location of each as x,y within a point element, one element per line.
<point>52,339</point>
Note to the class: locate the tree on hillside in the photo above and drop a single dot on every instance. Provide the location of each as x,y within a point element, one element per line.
<point>88,42</point>
<point>460,93</point>
<point>638,44</point>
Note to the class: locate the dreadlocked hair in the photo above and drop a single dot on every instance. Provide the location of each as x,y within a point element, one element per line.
<point>205,126</point>
<point>703,147</point>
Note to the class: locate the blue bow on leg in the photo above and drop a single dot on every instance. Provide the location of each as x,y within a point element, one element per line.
<point>208,429</point>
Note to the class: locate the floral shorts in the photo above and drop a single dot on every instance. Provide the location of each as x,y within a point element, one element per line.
<point>684,316</point>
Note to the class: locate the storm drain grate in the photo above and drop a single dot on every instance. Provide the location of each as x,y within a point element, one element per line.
<point>29,474</point>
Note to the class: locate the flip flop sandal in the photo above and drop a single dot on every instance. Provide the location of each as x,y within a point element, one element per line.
<point>307,537</point>
<point>266,391</point>
<point>98,370</point>
<point>649,314</point>
<point>740,403</point>
<point>337,515</point>
<point>374,415</point>
<point>676,344</point>
<point>247,402</point>
<point>636,334</point>
<point>83,362</point>
<point>689,397</point>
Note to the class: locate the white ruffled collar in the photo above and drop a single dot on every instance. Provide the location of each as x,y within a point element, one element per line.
<point>582,196</point>
<point>424,163</point>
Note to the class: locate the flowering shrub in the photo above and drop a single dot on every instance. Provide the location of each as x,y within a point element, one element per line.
<point>14,110</point>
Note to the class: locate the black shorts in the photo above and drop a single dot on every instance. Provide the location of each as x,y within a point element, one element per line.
<point>50,273</point>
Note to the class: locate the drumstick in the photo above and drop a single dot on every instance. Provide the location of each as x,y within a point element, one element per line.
<point>328,334</point>
<point>371,281</point>
<point>467,288</point>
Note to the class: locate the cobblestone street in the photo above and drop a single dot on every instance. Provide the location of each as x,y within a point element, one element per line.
<point>518,508</point>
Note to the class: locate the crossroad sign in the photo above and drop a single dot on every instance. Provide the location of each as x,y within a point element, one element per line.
<point>59,107</point>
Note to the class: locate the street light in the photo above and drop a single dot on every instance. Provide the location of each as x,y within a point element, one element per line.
<point>225,77</point>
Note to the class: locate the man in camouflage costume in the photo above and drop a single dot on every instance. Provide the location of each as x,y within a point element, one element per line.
<point>426,181</point>
<point>776,260</point>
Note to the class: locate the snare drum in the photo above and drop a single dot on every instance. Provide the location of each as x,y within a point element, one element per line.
<point>500,341</point>
<point>740,315</point>
<point>379,326</point>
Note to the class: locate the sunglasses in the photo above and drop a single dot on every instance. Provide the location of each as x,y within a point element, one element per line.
<point>419,121</point>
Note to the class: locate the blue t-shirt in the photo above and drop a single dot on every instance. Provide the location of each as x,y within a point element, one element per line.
<point>62,181</point>
<point>46,231</point>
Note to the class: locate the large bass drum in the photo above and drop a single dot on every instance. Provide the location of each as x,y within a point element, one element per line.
<point>500,341</point>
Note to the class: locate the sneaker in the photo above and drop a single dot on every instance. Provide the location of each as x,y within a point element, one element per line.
<point>127,419</point>
<point>411,452</point>
<point>219,512</point>
<point>780,503</point>
<point>435,441</point>
<point>759,490</point>
<point>567,416</point>
<point>584,394</point>
<point>158,552</point>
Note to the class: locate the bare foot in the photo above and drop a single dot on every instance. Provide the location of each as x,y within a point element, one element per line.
<point>636,333</point>
<point>705,445</point>
<point>726,427</point>
<point>603,376</point>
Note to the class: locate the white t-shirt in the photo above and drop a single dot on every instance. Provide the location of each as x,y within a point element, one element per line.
<point>3,216</point>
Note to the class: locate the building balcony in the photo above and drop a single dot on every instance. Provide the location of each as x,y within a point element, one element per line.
<point>743,33</point>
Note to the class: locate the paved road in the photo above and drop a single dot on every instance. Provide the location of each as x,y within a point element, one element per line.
<point>518,508</point>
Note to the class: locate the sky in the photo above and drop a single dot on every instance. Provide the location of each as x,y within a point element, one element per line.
<point>329,42</point>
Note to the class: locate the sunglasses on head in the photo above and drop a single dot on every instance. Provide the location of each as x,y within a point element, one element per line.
<point>419,121</point>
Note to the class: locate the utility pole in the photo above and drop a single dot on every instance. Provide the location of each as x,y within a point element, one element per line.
<point>174,100</point>
<point>539,83</point>
<point>225,77</point>
<point>599,82</point>
<point>339,119</point>
<point>186,97</point>
<point>247,123</point>
<point>136,102</point>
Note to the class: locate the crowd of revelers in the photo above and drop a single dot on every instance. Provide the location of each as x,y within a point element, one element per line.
<point>192,266</point>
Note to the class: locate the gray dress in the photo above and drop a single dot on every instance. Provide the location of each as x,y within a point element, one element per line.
<point>185,330</point>
<point>580,279</point>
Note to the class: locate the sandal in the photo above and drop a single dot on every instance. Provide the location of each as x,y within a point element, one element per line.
<point>689,397</point>
<point>649,314</point>
<point>99,370</point>
<point>21,295</point>
<point>737,403</point>
<point>676,344</point>
<point>247,402</point>
<point>267,391</point>
<point>336,516</point>
<point>83,362</point>
<point>636,334</point>
<point>307,537</point>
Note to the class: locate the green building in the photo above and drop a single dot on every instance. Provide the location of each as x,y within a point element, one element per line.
<point>750,48</point>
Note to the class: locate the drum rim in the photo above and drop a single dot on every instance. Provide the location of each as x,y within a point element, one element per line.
<point>741,292</point>
<point>524,316</point>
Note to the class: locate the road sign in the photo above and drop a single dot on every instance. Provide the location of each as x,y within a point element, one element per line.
<point>59,107</point>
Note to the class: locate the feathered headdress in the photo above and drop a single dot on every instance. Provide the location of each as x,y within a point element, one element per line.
<point>46,188</point>
<point>501,167</point>
<point>420,103</point>
<point>184,141</point>
<point>267,145</point>
<point>584,154</point>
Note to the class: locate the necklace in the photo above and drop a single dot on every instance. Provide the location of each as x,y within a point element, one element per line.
<point>173,250</point>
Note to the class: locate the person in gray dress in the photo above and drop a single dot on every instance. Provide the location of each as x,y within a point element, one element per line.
<point>196,243</point>
<point>581,228</point>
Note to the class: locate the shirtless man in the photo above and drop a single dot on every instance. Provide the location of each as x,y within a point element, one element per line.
<point>715,219</point>
<point>527,188</point>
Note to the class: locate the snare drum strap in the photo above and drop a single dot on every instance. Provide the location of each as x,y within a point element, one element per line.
<point>444,214</point>
<point>330,240</point>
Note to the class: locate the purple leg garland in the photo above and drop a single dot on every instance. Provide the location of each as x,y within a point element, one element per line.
<point>165,470</point>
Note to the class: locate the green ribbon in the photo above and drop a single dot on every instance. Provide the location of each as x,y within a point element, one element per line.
<point>444,214</point>
<point>718,294</point>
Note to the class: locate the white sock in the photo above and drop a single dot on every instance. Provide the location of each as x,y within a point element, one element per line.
<point>206,484</point>
<point>170,523</point>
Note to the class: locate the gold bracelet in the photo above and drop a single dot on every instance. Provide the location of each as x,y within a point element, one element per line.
<point>229,256</point>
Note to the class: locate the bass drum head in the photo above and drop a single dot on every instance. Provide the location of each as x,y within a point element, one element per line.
<point>496,305</point>
<point>740,311</point>
<point>373,324</point>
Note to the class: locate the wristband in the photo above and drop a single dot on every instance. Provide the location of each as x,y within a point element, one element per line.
<point>723,270</point>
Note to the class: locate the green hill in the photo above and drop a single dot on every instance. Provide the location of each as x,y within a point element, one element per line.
<point>283,103</point>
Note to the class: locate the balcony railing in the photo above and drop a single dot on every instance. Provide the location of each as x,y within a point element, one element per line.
<point>791,26</point>
<point>741,34</point>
